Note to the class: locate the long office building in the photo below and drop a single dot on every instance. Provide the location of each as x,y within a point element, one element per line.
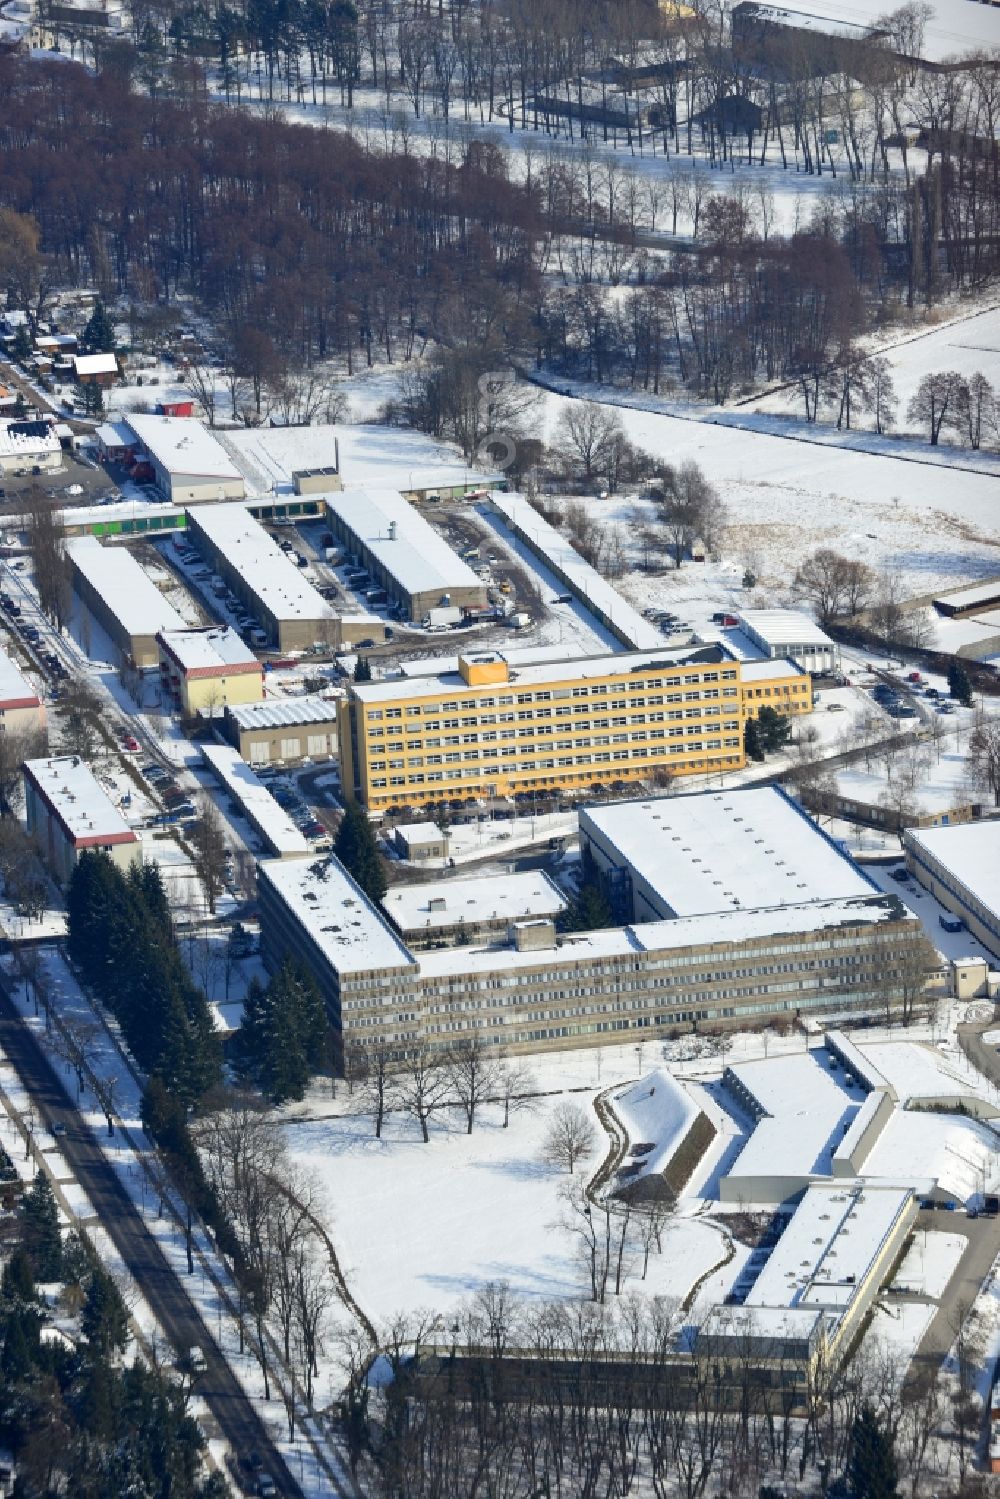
<point>498,724</point>
<point>535,988</point>
<point>68,812</point>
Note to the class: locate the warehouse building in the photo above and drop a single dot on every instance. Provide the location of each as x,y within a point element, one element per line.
<point>253,801</point>
<point>521,722</point>
<point>960,866</point>
<point>447,913</point>
<point>788,633</point>
<point>68,812</point>
<point>714,851</point>
<point>285,605</point>
<point>283,731</point>
<point>207,670</point>
<point>401,552</point>
<point>21,709</point>
<point>122,598</point>
<point>543,990</point>
<point>189,465</point>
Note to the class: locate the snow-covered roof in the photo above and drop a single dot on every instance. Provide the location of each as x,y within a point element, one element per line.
<point>824,1257</point>
<point>283,712</point>
<point>183,446</point>
<point>216,650</point>
<point>802,20</point>
<point>968,598</point>
<point>670,936</point>
<point>114,435</point>
<point>27,439</point>
<point>457,903</point>
<point>95,364</point>
<point>384,457</point>
<point>421,679</point>
<point>419,832</point>
<point>957,1153</point>
<point>15,692</point>
<point>126,590</point>
<point>658,1110</point>
<point>350,932</point>
<point>803,1108</point>
<point>783,627</point>
<point>593,590</point>
<point>271,820</point>
<point>80,804</point>
<point>404,543</point>
<point>770,671</point>
<point>726,851</point>
<point>969,852</point>
<point>265,569</point>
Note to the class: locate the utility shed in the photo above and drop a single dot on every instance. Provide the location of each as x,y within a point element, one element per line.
<point>402,552</point>
<point>122,598</point>
<point>257,571</point>
<point>190,466</point>
<point>443,913</point>
<point>68,812</point>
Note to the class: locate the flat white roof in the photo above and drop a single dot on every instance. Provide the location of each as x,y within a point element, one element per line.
<point>95,364</point>
<point>215,649</point>
<point>183,446</point>
<point>769,671</point>
<point>15,690</point>
<point>262,564</point>
<point>670,936</point>
<point>807,1107</point>
<point>352,934</point>
<point>115,434</point>
<point>783,627</point>
<point>958,1154</point>
<point>588,584</point>
<point>126,590</point>
<point>803,21</point>
<point>456,903</point>
<point>828,1249</point>
<point>421,678</point>
<point>968,598</point>
<point>283,712</point>
<point>68,786</point>
<point>726,851</point>
<point>384,457</point>
<point>419,559</point>
<point>271,820</point>
<point>419,832</point>
<point>968,852</point>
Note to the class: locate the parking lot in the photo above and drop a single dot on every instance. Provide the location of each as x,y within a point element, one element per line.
<point>78,482</point>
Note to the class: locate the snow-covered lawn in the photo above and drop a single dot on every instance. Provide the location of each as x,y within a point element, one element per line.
<point>930,1262</point>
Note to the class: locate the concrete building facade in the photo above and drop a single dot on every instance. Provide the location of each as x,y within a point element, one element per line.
<point>498,725</point>
<point>68,812</point>
<point>789,634</point>
<point>283,731</point>
<point>189,465</point>
<point>21,709</point>
<point>206,670</point>
<point>960,866</point>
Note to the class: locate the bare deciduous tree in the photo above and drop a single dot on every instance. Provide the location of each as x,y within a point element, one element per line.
<point>473,1072</point>
<point>570,1137</point>
<point>423,1087</point>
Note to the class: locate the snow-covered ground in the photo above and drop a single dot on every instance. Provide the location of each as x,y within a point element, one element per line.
<point>930,1262</point>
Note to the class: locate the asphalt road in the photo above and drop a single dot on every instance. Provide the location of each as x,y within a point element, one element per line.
<point>236,1417</point>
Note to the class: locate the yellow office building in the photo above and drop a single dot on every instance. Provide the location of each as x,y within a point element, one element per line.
<point>500,724</point>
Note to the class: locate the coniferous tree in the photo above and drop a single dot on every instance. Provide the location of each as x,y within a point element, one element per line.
<point>282,1040</point>
<point>753,742</point>
<point>872,1472</point>
<point>99,335</point>
<point>589,910</point>
<point>959,684</point>
<point>775,729</point>
<point>362,669</point>
<point>357,850</point>
<point>104,1320</point>
<point>40,1234</point>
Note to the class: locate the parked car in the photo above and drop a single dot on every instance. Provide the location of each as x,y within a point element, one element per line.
<point>900,874</point>
<point>130,744</point>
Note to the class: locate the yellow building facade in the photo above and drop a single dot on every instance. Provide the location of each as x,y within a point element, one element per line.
<point>500,726</point>
<point>206,670</point>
